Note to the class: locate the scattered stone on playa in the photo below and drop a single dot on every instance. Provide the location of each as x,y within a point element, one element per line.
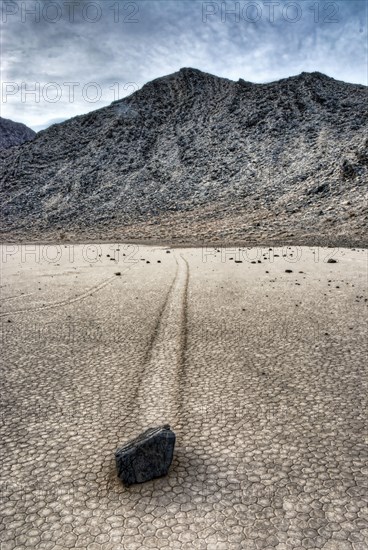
<point>146,457</point>
<point>288,270</point>
<point>331,261</point>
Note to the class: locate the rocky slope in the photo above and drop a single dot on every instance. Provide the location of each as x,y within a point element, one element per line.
<point>193,157</point>
<point>14,133</point>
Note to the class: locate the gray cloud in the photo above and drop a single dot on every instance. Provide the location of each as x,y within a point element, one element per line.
<point>133,42</point>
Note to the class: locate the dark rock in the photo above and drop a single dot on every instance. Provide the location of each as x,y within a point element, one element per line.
<point>331,261</point>
<point>288,270</point>
<point>323,188</point>
<point>347,169</point>
<point>146,457</point>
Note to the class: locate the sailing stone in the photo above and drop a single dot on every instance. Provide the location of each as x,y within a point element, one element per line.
<point>147,456</point>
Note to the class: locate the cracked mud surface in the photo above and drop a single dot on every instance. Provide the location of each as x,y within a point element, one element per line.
<point>259,372</point>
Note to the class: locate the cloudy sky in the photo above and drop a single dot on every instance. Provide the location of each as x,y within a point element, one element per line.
<point>60,58</point>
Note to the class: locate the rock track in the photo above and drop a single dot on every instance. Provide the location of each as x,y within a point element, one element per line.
<point>159,388</point>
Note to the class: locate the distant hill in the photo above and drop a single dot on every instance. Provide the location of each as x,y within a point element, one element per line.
<point>192,157</point>
<point>14,133</point>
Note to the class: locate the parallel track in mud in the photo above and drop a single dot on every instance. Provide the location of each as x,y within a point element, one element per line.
<point>158,395</point>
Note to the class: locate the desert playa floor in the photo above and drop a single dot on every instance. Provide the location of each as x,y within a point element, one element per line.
<point>259,371</point>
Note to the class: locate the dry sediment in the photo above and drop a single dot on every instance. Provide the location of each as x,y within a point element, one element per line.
<point>266,390</point>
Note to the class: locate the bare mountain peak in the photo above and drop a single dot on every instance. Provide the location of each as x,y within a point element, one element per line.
<point>191,72</point>
<point>314,74</point>
<point>189,82</point>
<point>195,145</point>
<point>14,133</point>
<point>185,78</point>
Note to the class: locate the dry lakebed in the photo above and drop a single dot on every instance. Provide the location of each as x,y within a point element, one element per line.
<point>255,357</point>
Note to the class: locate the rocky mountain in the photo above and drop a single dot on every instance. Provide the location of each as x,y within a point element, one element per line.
<point>193,157</point>
<point>14,133</point>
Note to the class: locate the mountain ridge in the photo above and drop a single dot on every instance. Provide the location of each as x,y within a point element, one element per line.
<point>192,149</point>
<point>14,133</point>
